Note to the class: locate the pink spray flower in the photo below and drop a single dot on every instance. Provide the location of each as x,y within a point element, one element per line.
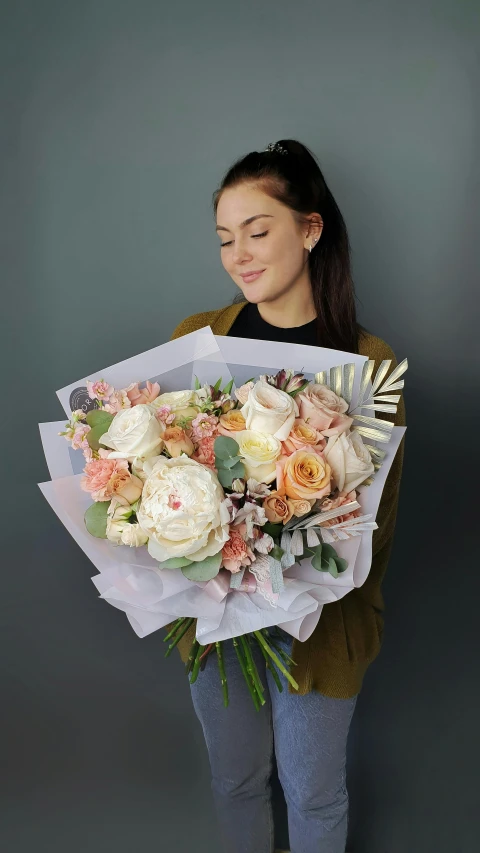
<point>204,426</point>
<point>165,415</point>
<point>99,390</point>
<point>205,453</point>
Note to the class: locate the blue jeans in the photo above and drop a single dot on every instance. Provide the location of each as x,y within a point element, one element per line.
<point>310,737</point>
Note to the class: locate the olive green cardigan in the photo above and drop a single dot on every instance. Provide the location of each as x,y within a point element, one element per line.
<point>348,636</point>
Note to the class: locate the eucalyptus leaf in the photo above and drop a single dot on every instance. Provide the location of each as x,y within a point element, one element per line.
<point>272,529</point>
<point>328,551</point>
<point>317,563</point>
<point>229,463</point>
<point>225,477</point>
<point>175,563</point>
<point>276,552</point>
<point>332,568</point>
<point>204,570</point>
<point>225,447</point>
<point>96,519</point>
<point>99,416</point>
<point>95,434</point>
<point>342,564</point>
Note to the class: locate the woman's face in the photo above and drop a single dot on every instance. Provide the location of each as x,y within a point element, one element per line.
<point>274,243</point>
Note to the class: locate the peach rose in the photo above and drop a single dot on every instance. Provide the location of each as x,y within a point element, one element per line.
<point>236,553</point>
<point>324,410</point>
<point>177,441</point>
<point>303,434</point>
<point>277,508</point>
<point>304,474</point>
<point>232,421</point>
<point>302,506</point>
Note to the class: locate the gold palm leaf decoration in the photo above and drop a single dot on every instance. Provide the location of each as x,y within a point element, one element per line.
<point>380,399</point>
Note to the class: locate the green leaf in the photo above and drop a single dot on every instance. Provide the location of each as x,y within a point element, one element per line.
<point>229,463</point>
<point>94,436</point>
<point>216,387</point>
<point>276,552</point>
<point>272,529</point>
<point>96,519</point>
<point>204,570</point>
<point>342,564</point>
<point>97,417</point>
<point>197,385</point>
<point>328,551</point>
<point>317,563</point>
<point>225,477</point>
<point>332,568</point>
<point>238,471</point>
<point>175,563</point>
<point>225,447</point>
<point>228,387</point>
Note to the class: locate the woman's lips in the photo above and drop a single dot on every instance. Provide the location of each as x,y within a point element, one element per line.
<point>248,277</point>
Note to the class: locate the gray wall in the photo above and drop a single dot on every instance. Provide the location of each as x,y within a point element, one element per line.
<point>118,121</point>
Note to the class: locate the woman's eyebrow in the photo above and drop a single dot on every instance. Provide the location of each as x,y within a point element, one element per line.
<point>246,221</point>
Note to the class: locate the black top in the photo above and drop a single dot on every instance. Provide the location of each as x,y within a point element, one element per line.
<point>249,324</point>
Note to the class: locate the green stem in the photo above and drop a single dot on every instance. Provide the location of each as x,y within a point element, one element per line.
<point>272,669</point>
<point>223,677</point>
<point>179,637</point>
<point>285,656</point>
<point>276,660</point>
<point>250,686</point>
<point>175,628</point>
<point>252,669</point>
<point>192,655</point>
<point>196,665</point>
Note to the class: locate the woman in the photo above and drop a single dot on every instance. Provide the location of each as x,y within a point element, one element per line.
<point>285,244</point>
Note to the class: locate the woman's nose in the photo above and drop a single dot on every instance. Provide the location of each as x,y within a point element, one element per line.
<point>240,253</point>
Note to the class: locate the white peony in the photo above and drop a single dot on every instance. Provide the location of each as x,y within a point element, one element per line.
<point>349,460</point>
<point>134,432</point>
<point>259,453</point>
<point>183,510</point>
<point>270,410</point>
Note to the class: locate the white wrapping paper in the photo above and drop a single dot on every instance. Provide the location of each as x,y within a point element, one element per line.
<point>129,579</point>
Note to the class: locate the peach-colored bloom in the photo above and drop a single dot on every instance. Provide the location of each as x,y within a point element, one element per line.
<point>302,435</point>
<point>138,395</point>
<point>242,393</point>
<point>105,478</point>
<point>205,453</point>
<point>335,503</point>
<point>204,426</point>
<point>79,438</point>
<point>278,509</point>
<point>301,506</point>
<point>324,410</point>
<point>236,554</point>
<point>232,421</point>
<point>304,474</point>
<point>177,441</point>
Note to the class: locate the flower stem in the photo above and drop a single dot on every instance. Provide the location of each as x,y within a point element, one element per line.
<point>196,665</point>
<point>252,669</point>
<point>272,669</point>
<point>243,666</point>
<point>174,629</point>
<point>179,636</point>
<point>192,655</point>
<point>261,639</point>
<point>223,677</point>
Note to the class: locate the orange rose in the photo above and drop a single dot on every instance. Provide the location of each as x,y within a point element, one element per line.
<point>177,441</point>
<point>304,474</point>
<point>302,434</point>
<point>277,509</point>
<point>232,421</point>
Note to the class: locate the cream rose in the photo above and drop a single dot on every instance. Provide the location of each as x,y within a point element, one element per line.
<point>134,432</point>
<point>259,453</point>
<point>269,410</point>
<point>117,521</point>
<point>349,460</point>
<point>134,536</point>
<point>324,410</point>
<point>177,400</point>
<point>183,510</point>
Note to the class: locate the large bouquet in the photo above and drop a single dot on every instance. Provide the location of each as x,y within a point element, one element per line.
<point>242,504</point>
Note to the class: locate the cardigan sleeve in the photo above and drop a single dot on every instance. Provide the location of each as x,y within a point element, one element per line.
<point>388,506</point>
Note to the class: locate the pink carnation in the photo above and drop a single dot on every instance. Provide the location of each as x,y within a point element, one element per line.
<point>335,503</point>
<point>204,426</point>
<point>107,477</point>
<point>205,453</point>
<point>235,553</point>
<point>148,394</point>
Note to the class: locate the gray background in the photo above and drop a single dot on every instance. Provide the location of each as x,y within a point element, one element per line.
<point>118,121</point>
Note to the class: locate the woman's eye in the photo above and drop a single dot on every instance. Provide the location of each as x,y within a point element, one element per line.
<point>263,234</point>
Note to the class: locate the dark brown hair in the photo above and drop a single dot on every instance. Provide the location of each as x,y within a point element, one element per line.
<point>294,178</point>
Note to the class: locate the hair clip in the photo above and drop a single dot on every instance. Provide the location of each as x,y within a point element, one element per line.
<point>276,148</point>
